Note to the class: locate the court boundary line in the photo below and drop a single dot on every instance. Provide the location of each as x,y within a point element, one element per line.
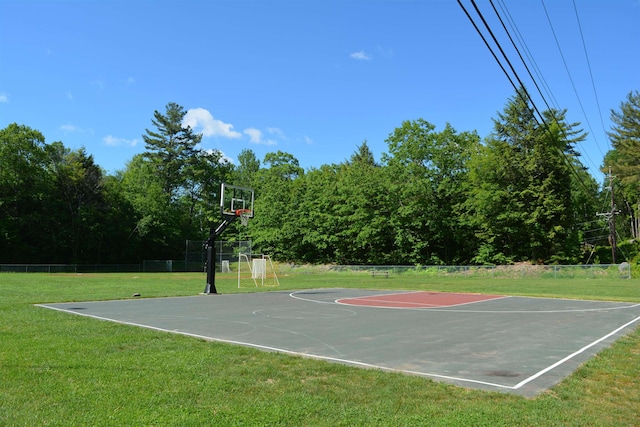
<point>574,354</point>
<point>353,362</point>
<point>278,350</point>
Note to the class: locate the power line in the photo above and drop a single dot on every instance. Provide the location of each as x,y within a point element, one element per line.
<point>519,55</point>
<point>569,74</point>
<point>525,48</point>
<point>593,84</point>
<point>529,98</point>
<point>495,40</point>
<point>537,71</point>
<point>487,44</point>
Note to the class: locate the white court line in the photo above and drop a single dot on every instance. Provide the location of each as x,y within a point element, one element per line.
<point>447,308</point>
<point>572,355</point>
<point>276,349</point>
<point>362,364</point>
<point>294,295</point>
<point>534,311</point>
<point>417,306</point>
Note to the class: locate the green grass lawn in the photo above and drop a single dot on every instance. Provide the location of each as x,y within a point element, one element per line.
<point>63,370</point>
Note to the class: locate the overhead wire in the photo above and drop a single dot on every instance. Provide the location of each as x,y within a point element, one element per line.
<point>595,92</point>
<point>527,52</point>
<point>487,44</point>
<point>504,55</point>
<point>588,239</point>
<point>536,69</point>
<point>586,154</point>
<point>564,61</point>
<point>504,27</point>
<point>529,99</point>
<point>593,84</point>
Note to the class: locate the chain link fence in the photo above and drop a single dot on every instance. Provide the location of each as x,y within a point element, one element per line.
<point>229,254</point>
<point>522,270</point>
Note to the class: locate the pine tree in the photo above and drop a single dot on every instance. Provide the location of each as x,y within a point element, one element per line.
<point>171,148</point>
<point>625,138</point>
<point>624,159</point>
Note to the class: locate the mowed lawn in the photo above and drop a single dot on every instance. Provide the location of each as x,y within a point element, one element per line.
<point>58,369</point>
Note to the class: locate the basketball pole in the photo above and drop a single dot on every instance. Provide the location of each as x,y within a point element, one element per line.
<point>210,245</point>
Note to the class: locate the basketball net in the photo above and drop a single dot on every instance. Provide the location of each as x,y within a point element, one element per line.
<point>244,215</point>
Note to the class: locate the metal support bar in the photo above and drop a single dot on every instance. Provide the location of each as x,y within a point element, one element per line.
<point>210,245</point>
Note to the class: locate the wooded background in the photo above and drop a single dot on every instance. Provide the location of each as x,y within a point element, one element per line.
<point>435,197</point>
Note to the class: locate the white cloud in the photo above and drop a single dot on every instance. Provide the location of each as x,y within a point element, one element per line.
<point>223,156</point>
<point>69,96</point>
<point>308,140</point>
<point>278,132</point>
<point>256,137</point>
<point>4,98</point>
<point>201,120</point>
<point>113,141</point>
<point>361,56</point>
<point>69,128</point>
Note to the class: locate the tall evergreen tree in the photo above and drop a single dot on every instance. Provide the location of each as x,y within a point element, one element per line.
<point>624,159</point>
<point>363,155</point>
<point>625,137</point>
<point>171,147</point>
<point>248,167</point>
<point>520,187</point>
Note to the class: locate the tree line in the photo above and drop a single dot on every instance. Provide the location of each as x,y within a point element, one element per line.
<point>435,197</point>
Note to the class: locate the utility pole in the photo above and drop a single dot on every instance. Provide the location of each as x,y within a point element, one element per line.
<point>612,223</point>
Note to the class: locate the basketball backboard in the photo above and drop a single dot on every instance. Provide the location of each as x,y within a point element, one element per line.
<point>235,200</point>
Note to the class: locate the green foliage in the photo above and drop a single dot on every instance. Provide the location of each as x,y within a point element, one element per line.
<point>24,186</point>
<point>625,138</point>
<point>275,230</point>
<point>78,185</point>
<point>315,215</point>
<point>427,173</point>
<point>519,200</point>
<point>624,161</point>
<point>247,169</point>
<point>180,185</point>
<point>171,148</point>
<point>363,155</point>
<point>437,197</point>
<point>361,210</point>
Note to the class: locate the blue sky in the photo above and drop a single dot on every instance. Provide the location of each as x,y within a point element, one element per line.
<point>313,78</point>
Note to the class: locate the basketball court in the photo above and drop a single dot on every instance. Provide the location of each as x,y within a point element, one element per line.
<point>518,345</point>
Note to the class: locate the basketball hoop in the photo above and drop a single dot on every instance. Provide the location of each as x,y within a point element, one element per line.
<point>244,215</point>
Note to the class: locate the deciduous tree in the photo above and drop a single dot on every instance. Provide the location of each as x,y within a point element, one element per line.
<point>24,190</point>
